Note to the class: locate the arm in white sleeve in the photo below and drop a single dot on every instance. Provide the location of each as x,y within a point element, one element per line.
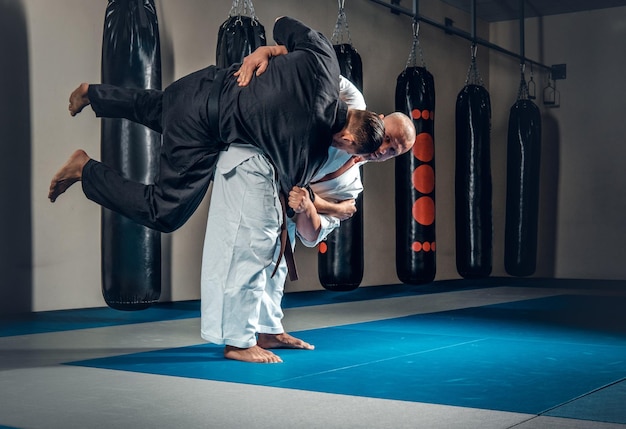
<point>329,223</point>
<point>344,187</point>
<point>350,94</point>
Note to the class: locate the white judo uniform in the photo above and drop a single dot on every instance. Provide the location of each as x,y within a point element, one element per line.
<point>239,298</point>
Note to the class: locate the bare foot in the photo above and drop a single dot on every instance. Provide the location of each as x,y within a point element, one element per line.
<point>252,354</point>
<point>69,174</point>
<point>282,341</point>
<point>79,99</point>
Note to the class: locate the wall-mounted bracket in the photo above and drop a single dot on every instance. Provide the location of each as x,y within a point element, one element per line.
<point>558,71</point>
<point>448,23</point>
<point>395,3</point>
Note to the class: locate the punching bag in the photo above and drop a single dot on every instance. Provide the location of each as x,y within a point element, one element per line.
<point>131,253</point>
<point>239,35</point>
<point>340,260</point>
<point>522,187</point>
<point>473,211</point>
<point>350,64</point>
<point>415,180</point>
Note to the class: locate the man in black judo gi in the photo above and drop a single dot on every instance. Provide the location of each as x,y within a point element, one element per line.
<point>292,112</point>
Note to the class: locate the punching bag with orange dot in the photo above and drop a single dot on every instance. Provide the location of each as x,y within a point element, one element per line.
<point>415,173</point>
<point>415,180</point>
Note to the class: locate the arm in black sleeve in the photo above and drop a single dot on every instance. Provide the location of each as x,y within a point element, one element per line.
<point>294,35</point>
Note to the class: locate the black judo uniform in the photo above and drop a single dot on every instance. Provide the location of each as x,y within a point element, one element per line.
<point>290,112</point>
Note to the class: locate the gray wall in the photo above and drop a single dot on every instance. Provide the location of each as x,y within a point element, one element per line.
<point>583,195</point>
<point>51,252</point>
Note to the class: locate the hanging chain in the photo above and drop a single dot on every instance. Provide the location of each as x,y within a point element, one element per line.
<point>242,8</point>
<point>416,49</point>
<point>473,76</point>
<point>341,33</point>
<point>532,92</point>
<point>522,93</point>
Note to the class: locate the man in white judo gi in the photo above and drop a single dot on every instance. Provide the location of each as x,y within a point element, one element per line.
<point>241,300</point>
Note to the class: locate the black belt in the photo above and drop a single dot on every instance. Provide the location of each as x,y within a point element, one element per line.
<point>213,103</point>
<point>285,246</point>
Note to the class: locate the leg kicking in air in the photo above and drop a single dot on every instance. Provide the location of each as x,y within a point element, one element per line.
<point>79,99</point>
<point>70,173</point>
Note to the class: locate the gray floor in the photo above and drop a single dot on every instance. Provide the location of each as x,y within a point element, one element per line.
<point>38,391</point>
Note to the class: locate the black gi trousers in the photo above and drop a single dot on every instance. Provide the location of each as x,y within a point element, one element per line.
<point>189,150</point>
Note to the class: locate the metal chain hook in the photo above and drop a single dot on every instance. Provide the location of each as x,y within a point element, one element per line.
<point>531,85</point>
<point>341,30</point>
<point>473,76</point>
<point>416,28</point>
<point>235,8</point>
<point>522,92</point>
<point>416,48</point>
<point>242,8</point>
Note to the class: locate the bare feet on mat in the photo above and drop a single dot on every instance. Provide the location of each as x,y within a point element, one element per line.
<point>69,174</point>
<point>282,341</point>
<point>79,99</point>
<point>253,354</point>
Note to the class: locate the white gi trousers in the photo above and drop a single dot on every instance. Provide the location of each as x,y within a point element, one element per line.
<point>239,296</point>
<point>242,240</point>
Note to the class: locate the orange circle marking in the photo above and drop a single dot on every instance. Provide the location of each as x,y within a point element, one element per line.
<point>416,114</point>
<point>323,247</point>
<point>425,246</point>
<point>425,114</point>
<point>424,179</point>
<point>424,148</point>
<point>424,210</point>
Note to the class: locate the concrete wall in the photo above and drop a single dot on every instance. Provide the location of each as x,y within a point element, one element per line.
<point>50,255</point>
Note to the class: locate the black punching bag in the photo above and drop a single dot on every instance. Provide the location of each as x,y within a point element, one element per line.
<point>522,188</point>
<point>473,211</point>
<point>415,180</point>
<point>131,253</point>
<point>350,64</point>
<point>340,260</point>
<point>239,35</point>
